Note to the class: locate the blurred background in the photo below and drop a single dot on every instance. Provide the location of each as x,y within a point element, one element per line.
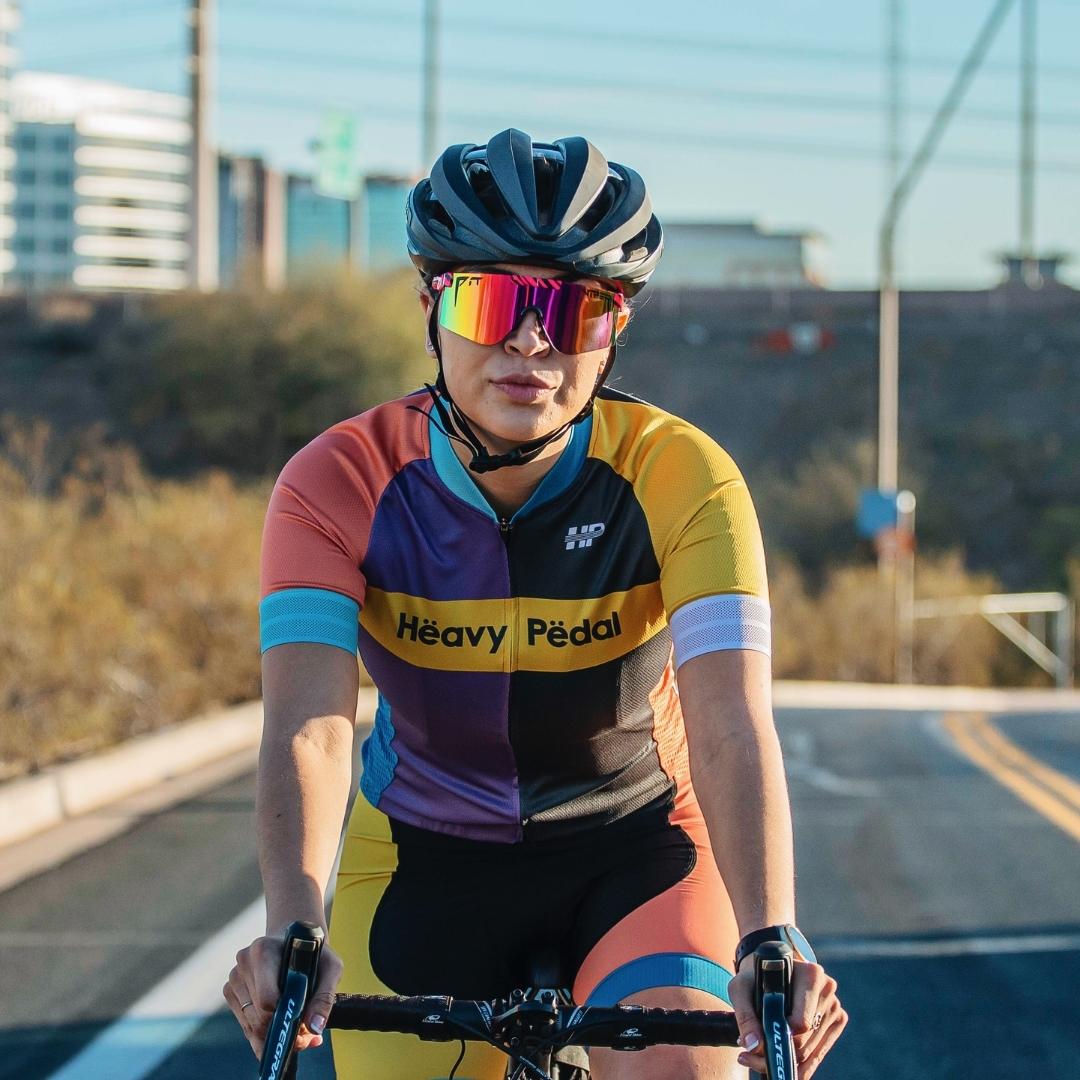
<point>869,297</point>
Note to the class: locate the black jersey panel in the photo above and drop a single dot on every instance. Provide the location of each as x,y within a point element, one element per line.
<point>573,763</point>
<point>593,540</point>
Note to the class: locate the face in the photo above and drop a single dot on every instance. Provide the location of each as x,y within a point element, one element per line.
<point>520,388</point>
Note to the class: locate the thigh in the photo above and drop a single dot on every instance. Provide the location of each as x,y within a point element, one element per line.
<point>674,950</point>
<point>369,860</point>
<point>669,1062</point>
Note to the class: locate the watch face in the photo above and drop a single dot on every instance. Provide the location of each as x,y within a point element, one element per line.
<point>802,947</point>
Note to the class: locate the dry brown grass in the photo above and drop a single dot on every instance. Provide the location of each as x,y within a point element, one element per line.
<point>844,630</point>
<point>128,604</point>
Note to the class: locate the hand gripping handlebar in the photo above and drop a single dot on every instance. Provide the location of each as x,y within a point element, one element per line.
<point>299,969</point>
<point>445,1018</point>
<point>773,967</point>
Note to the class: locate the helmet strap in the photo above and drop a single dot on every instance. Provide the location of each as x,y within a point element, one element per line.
<point>454,424</point>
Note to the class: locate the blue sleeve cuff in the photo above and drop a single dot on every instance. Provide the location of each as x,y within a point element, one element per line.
<point>318,616</point>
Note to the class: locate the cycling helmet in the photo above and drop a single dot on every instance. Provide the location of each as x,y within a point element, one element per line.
<point>560,204</point>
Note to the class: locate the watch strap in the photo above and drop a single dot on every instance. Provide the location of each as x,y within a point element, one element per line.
<point>768,933</point>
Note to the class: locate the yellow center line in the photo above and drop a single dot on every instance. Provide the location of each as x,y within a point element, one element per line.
<point>986,747</point>
<point>1009,752</point>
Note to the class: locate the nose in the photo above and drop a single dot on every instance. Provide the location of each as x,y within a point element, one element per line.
<point>528,338</point>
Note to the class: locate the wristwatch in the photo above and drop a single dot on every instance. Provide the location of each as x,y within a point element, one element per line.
<point>788,933</point>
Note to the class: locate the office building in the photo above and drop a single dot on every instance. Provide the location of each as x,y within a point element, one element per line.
<point>382,240</point>
<point>737,255</point>
<point>319,229</point>
<point>251,223</point>
<point>9,22</point>
<point>102,196</point>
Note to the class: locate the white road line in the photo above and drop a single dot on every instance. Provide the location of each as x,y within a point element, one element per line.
<point>881,948</point>
<point>799,763</point>
<point>159,1022</point>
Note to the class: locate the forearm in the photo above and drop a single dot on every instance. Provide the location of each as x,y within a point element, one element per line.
<point>738,775</point>
<point>303,789</point>
<point>740,784</point>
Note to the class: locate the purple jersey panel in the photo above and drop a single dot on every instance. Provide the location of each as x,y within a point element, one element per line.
<point>425,542</point>
<point>453,766</point>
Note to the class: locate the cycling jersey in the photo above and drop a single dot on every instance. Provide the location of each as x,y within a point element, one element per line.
<point>525,666</point>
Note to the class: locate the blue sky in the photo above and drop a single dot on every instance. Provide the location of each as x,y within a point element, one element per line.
<point>770,111</point>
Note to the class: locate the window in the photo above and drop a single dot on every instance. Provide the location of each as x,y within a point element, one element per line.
<point>25,244</point>
<point>129,261</point>
<point>26,211</point>
<point>62,143</point>
<point>61,211</point>
<point>26,140</point>
<point>61,176</point>
<point>60,245</point>
<point>25,176</point>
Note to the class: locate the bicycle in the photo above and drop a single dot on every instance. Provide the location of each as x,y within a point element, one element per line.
<point>541,1031</point>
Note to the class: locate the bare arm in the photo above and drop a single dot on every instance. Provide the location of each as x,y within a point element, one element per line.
<point>309,695</point>
<point>738,775</point>
<point>309,701</point>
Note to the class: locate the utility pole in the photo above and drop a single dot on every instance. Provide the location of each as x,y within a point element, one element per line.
<point>1030,269</point>
<point>203,228</point>
<point>431,78</point>
<point>893,92</point>
<point>889,317</point>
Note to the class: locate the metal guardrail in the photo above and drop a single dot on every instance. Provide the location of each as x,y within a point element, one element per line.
<point>999,610</point>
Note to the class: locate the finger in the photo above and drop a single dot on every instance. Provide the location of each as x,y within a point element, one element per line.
<point>809,1067</point>
<point>322,998</point>
<point>741,993</point>
<point>756,1062</point>
<point>264,969</point>
<point>810,987</point>
<point>813,1040</point>
<point>241,1013</point>
<point>806,1040</point>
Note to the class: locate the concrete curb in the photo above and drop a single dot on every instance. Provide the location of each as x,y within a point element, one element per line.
<point>29,805</point>
<point>874,696</point>
<point>33,804</point>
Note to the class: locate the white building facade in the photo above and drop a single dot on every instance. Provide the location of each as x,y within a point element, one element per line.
<point>102,185</point>
<point>738,255</point>
<point>9,22</point>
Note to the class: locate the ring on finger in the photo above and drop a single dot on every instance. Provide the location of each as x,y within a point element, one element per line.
<point>818,1017</point>
<point>246,1005</point>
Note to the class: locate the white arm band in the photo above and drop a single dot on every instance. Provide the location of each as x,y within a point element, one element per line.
<point>715,623</point>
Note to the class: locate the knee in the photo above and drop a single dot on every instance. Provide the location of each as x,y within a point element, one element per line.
<point>667,1063</point>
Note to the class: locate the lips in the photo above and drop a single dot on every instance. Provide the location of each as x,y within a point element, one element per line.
<point>522,387</point>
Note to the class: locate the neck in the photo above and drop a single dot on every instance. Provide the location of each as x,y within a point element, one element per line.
<point>510,488</point>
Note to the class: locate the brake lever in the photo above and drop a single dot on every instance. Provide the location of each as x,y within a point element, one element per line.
<point>773,967</point>
<point>296,977</point>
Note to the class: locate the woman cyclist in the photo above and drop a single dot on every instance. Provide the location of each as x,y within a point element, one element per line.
<point>559,591</point>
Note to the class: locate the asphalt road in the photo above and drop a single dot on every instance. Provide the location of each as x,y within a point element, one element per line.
<point>940,881</point>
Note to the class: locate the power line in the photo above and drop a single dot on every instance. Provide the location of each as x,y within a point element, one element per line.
<point>696,138</point>
<point>99,10</point>
<point>790,50</point>
<point>756,98</point>
<point>112,56</point>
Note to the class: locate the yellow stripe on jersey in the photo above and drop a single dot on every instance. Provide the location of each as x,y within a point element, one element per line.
<point>520,634</point>
<point>701,519</point>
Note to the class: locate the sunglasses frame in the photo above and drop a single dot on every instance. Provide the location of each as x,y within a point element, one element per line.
<point>442,282</point>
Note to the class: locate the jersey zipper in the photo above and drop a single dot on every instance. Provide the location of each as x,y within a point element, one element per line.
<point>506,526</point>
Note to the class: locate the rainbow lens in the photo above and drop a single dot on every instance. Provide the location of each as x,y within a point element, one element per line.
<point>577,317</point>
